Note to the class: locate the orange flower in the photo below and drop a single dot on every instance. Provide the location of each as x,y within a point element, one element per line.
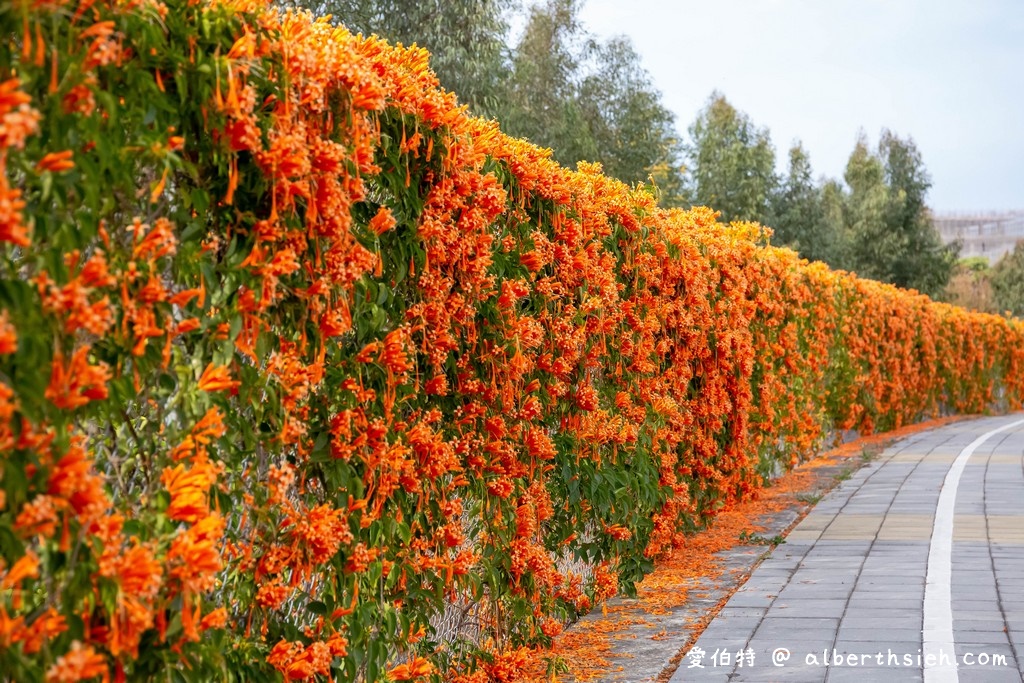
<point>359,558</point>
<point>79,663</point>
<point>217,378</point>
<point>618,532</point>
<point>101,29</point>
<point>8,336</point>
<point>56,162</point>
<point>551,627</point>
<point>215,619</point>
<point>155,242</point>
<point>95,273</point>
<point>210,427</point>
<point>183,297</point>
<point>284,262</point>
<point>273,594</point>
<point>11,630</point>
<point>392,353</point>
<point>436,386</point>
<point>80,98</point>
<point>78,383</point>
<point>417,668</point>
<point>187,325</point>
<point>606,582</point>
<point>158,186</point>
<point>510,665</point>
<point>533,261</point>
<point>49,625</point>
<point>27,567</point>
<point>74,481</point>
<point>190,489</point>
<point>104,49</point>
<point>12,223</point>
<point>140,573</point>
<point>298,662</point>
<point>37,517</point>
<point>382,221</point>
<point>319,532</point>
<point>245,46</point>
<point>194,555</point>
<point>17,119</point>
<point>72,301</point>
<point>336,322</point>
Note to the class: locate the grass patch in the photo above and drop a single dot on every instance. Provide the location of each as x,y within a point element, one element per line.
<point>750,538</point>
<point>809,498</point>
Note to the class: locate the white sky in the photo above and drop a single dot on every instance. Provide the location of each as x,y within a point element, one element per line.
<point>948,73</point>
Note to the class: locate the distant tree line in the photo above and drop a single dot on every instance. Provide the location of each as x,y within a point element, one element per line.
<point>997,288</point>
<point>560,87</point>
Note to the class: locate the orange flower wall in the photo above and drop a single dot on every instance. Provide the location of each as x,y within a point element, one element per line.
<point>307,374</point>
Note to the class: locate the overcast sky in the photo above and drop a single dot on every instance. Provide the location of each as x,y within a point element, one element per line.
<point>948,73</point>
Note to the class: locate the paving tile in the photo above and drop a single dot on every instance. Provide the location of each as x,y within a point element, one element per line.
<point>979,638</point>
<point>730,611</point>
<point>872,601</point>
<point>988,675</point>
<point>885,636</point>
<point>884,610</point>
<point>860,674</point>
<point>993,623</point>
<point>706,675</point>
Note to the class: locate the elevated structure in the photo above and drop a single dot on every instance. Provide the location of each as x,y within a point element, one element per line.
<point>989,235</point>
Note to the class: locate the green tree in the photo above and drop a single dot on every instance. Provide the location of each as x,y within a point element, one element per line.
<point>633,132</point>
<point>1008,282</point>
<point>798,212</point>
<point>930,263</point>
<point>970,286</point>
<point>890,235</point>
<point>732,162</point>
<point>590,101</point>
<point>872,248</point>
<point>543,103</point>
<point>467,39</point>
<point>833,207</point>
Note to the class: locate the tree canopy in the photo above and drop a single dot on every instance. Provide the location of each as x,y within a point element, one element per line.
<point>543,94</point>
<point>888,227</point>
<point>798,211</point>
<point>732,162</point>
<point>589,100</point>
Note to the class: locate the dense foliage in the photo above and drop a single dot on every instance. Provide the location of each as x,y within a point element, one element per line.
<point>971,285</point>
<point>306,373</point>
<point>1007,279</point>
<point>732,162</point>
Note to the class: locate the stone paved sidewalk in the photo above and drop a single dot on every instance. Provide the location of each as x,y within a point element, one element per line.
<point>911,570</point>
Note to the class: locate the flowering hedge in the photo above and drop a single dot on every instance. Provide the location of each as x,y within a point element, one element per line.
<point>305,372</point>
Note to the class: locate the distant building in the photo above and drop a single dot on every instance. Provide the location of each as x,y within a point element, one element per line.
<point>981,234</point>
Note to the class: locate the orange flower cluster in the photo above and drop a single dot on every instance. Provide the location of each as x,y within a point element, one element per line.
<point>370,390</point>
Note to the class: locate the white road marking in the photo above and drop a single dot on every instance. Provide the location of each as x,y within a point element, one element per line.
<point>938,599</point>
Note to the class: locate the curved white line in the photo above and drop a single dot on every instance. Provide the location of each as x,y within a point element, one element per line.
<point>938,598</point>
